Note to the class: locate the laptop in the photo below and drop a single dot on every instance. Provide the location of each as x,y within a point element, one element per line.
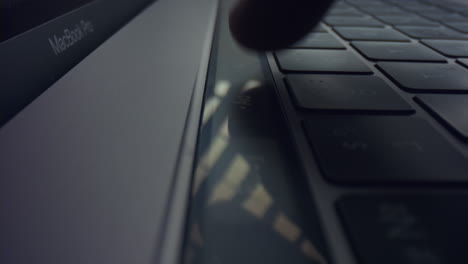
<point>102,131</point>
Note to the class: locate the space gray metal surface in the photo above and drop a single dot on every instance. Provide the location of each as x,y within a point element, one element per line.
<point>87,169</point>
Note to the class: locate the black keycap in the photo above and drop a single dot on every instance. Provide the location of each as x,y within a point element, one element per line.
<point>431,32</point>
<point>452,48</point>
<point>352,21</point>
<point>393,51</point>
<point>350,11</point>
<point>383,149</point>
<point>367,3</point>
<point>340,5</point>
<point>412,20</point>
<point>459,26</point>
<point>379,34</point>
<point>384,10</point>
<point>405,4</point>
<point>456,7</point>
<point>444,17</point>
<point>320,41</point>
<point>463,62</point>
<point>419,77</point>
<point>407,229</point>
<point>423,8</point>
<point>451,109</point>
<point>345,93</point>
<point>331,61</point>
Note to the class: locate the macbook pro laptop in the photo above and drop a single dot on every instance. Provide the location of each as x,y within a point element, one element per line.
<point>103,107</point>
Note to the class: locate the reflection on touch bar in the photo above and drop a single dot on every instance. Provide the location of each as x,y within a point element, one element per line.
<point>258,202</point>
<point>233,177</point>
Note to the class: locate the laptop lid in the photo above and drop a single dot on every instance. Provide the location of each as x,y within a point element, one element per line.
<point>90,168</point>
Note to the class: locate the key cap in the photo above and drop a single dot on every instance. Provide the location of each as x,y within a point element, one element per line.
<point>452,48</point>
<point>352,21</point>
<point>412,20</point>
<point>451,109</point>
<point>431,32</point>
<point>350,94</point>
<point>420,77</point>
<point>329,61</point>
<point>405,4</point>
<point>407,229</point>
<point>444,17</point>
<point>367,2</point>
<point>340,5</point>
<point>423,8</point>
<point>457,7</point>
<point>459,26</point>
<point>386,10</point>
<point>463,62</point>
<point>350,11</point>
<point>393,51</point>
<point>382,150</point>
<point>377,34</point>
<point>320,41</point>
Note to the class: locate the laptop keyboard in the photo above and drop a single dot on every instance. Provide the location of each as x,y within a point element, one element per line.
<point>420,46</point>
<point>381,94</point>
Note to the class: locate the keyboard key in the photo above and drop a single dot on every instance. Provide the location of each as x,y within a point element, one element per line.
<point>444,17</point>
<point>459,26</point>
<point>367,2</point>
<point>385,10</point>
<point>352,21</point>
<point>340,5</point>
<point>412,20</point>
<point>350,11</point>
<point>420,77</point>
<point>407,229</point>
<point>431,32</point>
<point>383,149</point>
<point>463,12</point>
<point>456,7</point>
<point>345,93</point>
<point>423,8</point>
<point>378,34</point>
<point>463,62</point>
<point>393,51</point>
<point>330,61</point>
<point>408,4</point>
<point>320,41</point>
<point>451,109</point>
<point>452,48</point>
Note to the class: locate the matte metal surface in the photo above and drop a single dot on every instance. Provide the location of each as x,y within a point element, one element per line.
<point>87,169</point>
<point>45,53</point>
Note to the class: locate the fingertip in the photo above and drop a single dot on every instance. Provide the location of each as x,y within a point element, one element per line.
<point>274,24</point>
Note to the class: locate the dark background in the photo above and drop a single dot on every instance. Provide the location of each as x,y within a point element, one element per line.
<point>18,16</point>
